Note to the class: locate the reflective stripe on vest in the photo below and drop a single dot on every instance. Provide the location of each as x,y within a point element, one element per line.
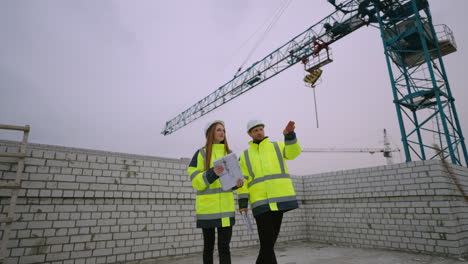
<point>207,183</point>
<point>203,154</point>
<point>274,200</point>
<point>290,142</point>
<point>194,174</point>
<point>214,216</point>
<point>280,157</point>
<point>243,195</point>
<point>267,177</point>
<point>213,191</point>
<point>249,165</point>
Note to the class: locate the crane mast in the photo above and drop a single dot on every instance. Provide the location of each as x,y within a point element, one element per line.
<point>422,96</point>
<point>413,50</point>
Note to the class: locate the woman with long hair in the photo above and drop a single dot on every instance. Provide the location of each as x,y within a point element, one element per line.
<point>215,207</point>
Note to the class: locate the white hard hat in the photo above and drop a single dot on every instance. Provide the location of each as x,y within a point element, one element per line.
<point>253,123</point>
<point>212,123</point>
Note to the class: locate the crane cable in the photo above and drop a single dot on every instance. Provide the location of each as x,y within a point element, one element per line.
<point>278,13</point>
<point>316,112</point>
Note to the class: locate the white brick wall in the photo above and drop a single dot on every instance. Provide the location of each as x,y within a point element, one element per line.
<point>86,206</point>
<point>410,206</point>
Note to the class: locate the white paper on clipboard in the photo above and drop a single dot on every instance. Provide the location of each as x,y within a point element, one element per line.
<point>232,171</point>
<point>247,222</point>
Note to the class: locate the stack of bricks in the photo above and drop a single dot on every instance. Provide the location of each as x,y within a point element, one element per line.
<point>87,206</point>
<point>412,206</point>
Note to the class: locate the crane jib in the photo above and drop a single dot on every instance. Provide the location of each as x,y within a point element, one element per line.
<point>333,27</point>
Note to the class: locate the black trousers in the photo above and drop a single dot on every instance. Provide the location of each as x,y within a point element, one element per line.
<point>268,225</point>
<point>224,238</point>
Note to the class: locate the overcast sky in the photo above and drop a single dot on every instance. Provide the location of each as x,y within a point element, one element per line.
<point>107,75</point>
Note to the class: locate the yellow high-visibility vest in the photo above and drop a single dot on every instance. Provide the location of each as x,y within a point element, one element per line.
<point>214,206</point>
<point>267,176</point>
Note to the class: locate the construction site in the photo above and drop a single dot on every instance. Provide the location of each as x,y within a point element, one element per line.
<point>93,200</point>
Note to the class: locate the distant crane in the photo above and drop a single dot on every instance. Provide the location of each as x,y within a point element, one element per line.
<point>386,150</point>
<point>413,49</point>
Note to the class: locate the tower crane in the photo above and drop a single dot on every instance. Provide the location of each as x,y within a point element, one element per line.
<point>413,49</point>
<point>386,150</point>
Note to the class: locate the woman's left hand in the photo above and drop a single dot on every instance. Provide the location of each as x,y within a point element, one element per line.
<point>218,169</point>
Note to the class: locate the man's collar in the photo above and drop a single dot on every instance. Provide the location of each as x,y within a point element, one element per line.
<point>259,141</point>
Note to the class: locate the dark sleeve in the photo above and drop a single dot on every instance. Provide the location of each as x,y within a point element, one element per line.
<point>211,175</point>
<point>193,162</point>
<point>290,136</point>
<point>243,203</point>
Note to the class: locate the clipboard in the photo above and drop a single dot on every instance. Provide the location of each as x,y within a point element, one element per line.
<point>231,173</point>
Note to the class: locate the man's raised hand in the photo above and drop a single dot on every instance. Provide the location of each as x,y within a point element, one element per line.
<point>289,128</point>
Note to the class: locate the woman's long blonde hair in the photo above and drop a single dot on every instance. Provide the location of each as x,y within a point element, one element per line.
<point>209,144</point>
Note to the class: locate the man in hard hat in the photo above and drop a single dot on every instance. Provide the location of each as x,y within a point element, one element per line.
<point>268,186</point>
